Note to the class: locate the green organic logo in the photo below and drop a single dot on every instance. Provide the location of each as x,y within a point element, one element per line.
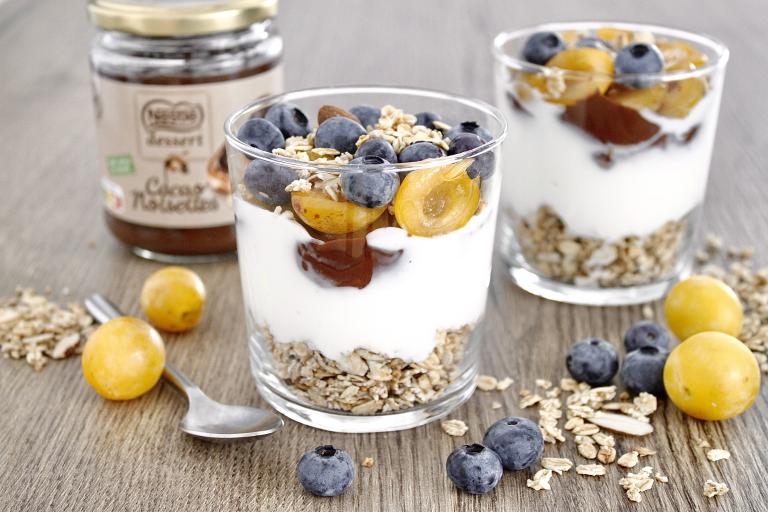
<point>120,165</point>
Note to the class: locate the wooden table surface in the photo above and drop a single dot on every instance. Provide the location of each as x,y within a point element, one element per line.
<point>64,448</point>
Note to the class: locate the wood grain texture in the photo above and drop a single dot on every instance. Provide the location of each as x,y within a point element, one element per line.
<point>64,448</point>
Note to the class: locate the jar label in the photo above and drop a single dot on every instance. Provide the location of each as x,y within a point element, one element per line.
<point>162,148</point>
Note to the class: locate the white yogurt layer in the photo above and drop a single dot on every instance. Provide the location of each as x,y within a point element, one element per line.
<point>550,162</point>
<point>438,283</point>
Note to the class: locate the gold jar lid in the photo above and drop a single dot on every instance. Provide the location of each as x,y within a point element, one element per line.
<point>179,18</point>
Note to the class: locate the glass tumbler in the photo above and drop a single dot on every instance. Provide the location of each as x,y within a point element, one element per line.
<point>366,318</point>
<point>605,172</point>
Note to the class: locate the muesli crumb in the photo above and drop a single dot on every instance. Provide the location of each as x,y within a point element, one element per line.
<point>712,489</point>
<point>590,469</point>
<point>716,454</point>
<point>540,481</point>
<point>455,428</point>
<point>367,462</point>
<point>637,483</point>
<point>486,383</point>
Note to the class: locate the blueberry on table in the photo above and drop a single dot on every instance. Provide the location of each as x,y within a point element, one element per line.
<point>593,42</point>
<point>326,471</point>
<point>469,127</point>
<point>646,334</point>
<point>474,468</point>
<point>289,119</point>
<point>267,182</point>
<point>379,148</point>
<point>419,151</point>
<point>643,370</point>
<point>338,133</point>
<point>427,119</point>
<point>517,441</point>
<point>370,187</point>
<point>367,114</point>
<point>593,361</point>
<point>637,59</point>
<point>483,164</point>
<point>261,134</point>
<point>542,46</point>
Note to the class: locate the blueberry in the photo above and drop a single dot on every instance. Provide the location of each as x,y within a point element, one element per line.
<point>419,151</point>
<point>593,361</point>
<point>326,471</point>
<point>517,441</point>
<point>369,187</point>
<point>483,165</point>
<point>267,182</point>
<point>338,133</point>
<point>261,134</point>
<point>289,119</point>
<point>643,370</point>
<point>377,147</point>
<point>542,46</point>
<point>593,42</point>
<point>367,114</point>
<point>474,468</point>
<point>636,59</point>
<point>646,334</point>
<point>427,119</point>
<point>469,127</point>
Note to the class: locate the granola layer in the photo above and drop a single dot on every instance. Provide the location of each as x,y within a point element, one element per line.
<point>365,382</point>
<point>556,253</point>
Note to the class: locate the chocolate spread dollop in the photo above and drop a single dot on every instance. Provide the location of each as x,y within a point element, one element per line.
<point>344,261</point>
<point>610,122</point>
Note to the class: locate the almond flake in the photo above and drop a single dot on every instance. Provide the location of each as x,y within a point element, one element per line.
<point>486,383</point>
<point>628,460</point>
<point>455,428</point>
<point>717,454</point>
<point>540,480</point>
<point>621,423</point>
<point>557,465</point>
<point>591,469</point>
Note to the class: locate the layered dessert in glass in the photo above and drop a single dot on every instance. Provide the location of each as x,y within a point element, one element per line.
<point>613,127</point>
<point>365,220</point>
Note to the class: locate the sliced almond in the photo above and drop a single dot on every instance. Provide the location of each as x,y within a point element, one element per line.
<point>621,423</point>
<point>328,111</point>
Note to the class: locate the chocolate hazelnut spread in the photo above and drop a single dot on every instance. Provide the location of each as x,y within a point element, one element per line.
<point>165,78</point>
<point>610,122</point>
<point>344,262</point>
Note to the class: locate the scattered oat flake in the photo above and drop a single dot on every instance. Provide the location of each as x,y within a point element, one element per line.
<point>661,477</point>
<point>558,465</point>
<point>628,460</point>
<point>586,450</point>
<point>504,384</point>
<point>636,483</point>
<point>455,428</point>
<point>530,400</point>
<point>712,489</point>
<point>716,454</point>
<point>540,480</point>
<point>486,383</point>
<point>648,312</point>
<point>606,454</point>
<point>367,462</point>
<point>645,452</point>
<point>496,405</point>
<point>590,469</point>
<point>702,443</point>
<point>543,383</point>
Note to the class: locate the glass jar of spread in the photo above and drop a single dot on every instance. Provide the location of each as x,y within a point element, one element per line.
<point>166,75</point>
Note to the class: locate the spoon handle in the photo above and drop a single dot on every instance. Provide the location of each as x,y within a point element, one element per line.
<point>102,310</point>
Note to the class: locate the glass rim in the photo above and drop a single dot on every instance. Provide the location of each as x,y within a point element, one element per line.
<point>718,47</point>
<point>479,105</point>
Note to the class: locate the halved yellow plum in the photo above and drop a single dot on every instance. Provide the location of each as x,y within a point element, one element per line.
<point>682,96</point>
<point>438,200</point>
<point>319,211</point>
<point>681,56</point>
<point>638,99</point>
<point>593,73</point>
